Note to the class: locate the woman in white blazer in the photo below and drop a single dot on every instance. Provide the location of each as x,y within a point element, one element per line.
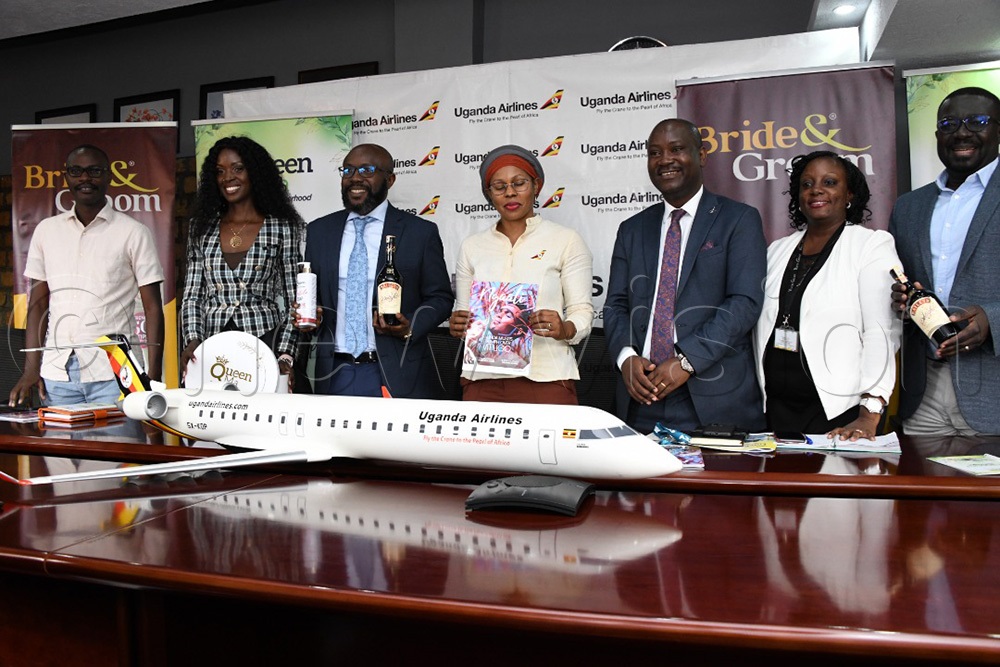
<point>827,338</point>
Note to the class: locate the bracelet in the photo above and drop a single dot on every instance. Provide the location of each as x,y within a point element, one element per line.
<point>286,358</point>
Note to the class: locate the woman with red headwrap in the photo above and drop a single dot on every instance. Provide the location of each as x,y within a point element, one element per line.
<point>523,248</point>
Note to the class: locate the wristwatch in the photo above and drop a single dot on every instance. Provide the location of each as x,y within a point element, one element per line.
<point>685,364</point>
<point>872,405</point>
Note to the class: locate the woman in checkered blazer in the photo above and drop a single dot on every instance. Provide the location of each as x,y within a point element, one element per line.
<point>244,245</point>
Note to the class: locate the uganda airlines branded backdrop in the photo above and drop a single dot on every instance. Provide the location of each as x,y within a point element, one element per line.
<point>143,182</point>
<point>585,117</point>
<point>752,128</point>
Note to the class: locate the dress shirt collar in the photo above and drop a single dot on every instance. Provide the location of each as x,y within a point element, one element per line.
<point>984,175</point>
<point>690,206</point>
<point>532,224</point>
<point>103,215</point>
<point>378,213</point>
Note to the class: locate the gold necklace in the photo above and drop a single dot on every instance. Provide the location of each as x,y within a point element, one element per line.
<point>236,241</point>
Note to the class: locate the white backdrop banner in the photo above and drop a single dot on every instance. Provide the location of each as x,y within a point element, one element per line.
<point>586,117</point>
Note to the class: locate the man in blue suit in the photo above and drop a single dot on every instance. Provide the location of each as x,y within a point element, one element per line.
<point>358,353</point>
<point>948,238</point>
<point>684,293</point>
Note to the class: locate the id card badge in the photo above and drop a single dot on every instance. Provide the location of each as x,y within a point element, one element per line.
<point>786,338</point>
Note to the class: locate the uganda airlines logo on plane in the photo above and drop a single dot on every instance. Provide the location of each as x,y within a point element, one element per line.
<point>555,199</point>
<point>553,148</point>
<point>432,206</point>
<point>431,158</point>
<point>431,111</point>
<point>554,100</point>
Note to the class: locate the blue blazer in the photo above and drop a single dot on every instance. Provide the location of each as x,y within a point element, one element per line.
<point>975,374</point>
<point>719,298</point>
<point>407,366</point>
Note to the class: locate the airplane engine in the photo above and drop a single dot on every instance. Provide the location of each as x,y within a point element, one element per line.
<point>145,405</point>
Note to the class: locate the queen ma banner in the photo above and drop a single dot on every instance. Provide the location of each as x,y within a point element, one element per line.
<point>752,128</point>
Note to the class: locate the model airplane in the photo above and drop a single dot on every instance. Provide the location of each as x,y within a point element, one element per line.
<point>570,441</point>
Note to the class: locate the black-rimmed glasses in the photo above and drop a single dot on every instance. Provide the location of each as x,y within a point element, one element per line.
<point>976,123</point>
<point>93,171</point>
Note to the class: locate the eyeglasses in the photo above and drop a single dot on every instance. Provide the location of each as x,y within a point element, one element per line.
<point>976,123</point>
<point>366,170</point>
<point>93,172</point>
<point>519,185</point>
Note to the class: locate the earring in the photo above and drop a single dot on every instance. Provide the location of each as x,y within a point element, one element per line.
<point>848,205</point>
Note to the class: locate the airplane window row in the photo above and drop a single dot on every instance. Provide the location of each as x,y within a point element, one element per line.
<point>438,429</point>
<point>422,428</point>
<point>246,416</point>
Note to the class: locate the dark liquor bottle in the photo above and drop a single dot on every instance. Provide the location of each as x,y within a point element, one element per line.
<point>925,309</point>
<point>389,285</point>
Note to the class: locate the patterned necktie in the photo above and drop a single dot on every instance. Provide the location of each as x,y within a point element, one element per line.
<point>358,307</point>
<point>661,347</point>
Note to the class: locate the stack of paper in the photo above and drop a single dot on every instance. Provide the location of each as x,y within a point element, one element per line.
<point>983,464</point>
<point>882,444</point>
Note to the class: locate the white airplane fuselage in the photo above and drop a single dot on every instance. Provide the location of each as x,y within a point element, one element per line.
<point>575,441</point>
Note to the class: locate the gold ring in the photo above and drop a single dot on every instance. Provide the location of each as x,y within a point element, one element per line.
<point>662,384</point>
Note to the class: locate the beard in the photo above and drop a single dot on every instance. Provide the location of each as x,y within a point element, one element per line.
<point>374,198</point>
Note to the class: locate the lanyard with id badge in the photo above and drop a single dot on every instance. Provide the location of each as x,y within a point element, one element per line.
<point>786,337</point>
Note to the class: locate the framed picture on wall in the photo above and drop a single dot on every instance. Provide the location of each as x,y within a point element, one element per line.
<point>152,107</point>
<point>83,113</point>
<point>211,94</point>
<point>338,72</point>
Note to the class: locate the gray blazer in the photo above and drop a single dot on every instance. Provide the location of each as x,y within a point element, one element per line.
<point>976,374</point>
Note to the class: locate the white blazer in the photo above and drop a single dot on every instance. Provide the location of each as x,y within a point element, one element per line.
<point>847,328</point>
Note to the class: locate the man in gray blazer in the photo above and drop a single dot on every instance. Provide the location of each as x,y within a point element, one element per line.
<point>948,238</point>
<point>684,293</point>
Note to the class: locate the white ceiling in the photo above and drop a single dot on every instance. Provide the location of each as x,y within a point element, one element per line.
<point>911,32</point>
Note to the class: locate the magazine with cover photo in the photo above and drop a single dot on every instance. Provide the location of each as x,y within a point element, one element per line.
<point>498,338</point>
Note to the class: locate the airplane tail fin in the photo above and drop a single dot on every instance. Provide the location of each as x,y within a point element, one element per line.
<point>128,372</point>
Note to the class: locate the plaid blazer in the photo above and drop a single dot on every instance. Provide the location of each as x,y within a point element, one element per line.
<point>256,295</point>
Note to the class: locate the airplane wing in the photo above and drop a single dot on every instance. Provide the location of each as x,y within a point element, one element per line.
<point>207,463</point>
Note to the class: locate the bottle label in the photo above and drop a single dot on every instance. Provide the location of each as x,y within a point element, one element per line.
<point>305,294</point>
<point>928,315</point>
<point>390,298</point>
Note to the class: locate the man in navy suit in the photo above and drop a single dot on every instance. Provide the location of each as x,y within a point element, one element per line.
<point>346,249</point>
<point>948,238</point>
<point>684,293</point>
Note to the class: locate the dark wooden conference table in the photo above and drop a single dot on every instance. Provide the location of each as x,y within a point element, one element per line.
<point>890,560</point>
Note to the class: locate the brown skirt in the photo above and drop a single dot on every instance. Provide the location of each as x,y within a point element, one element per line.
<point>520,390</point>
